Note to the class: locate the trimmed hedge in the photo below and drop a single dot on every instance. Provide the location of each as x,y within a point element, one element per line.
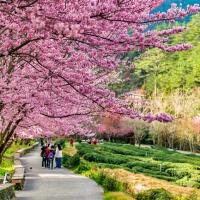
<point>155,194</point>
<point>171,166</point>
<point>71,161</point>
<point>103,158</point>
<point>109,184</point>
<point>96,156</point>
<point>117,196</point>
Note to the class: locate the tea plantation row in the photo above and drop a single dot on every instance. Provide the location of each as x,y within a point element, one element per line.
<point>160,163</point>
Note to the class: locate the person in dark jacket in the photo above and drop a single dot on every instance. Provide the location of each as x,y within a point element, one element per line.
<point>43,155</point>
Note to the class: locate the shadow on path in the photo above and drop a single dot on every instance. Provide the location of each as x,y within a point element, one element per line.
<point>58,184</point>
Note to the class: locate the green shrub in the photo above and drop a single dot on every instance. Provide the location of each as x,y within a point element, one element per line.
<point>155,194</point>
<point>111,166</point>
<point>83,167</point>
<point>66,160</point>
<point>84,149</point>
<point>117,196</point>
<point>98,177</point>
<point>178,173</point>
<point>111,184</point>
<point>122,151</point>
<point>197,178</point>
<point>192,183</point>
<point>192,197</point>
<point>143,164</point>
<point>108,183</point>
<point>186,182</point>
<point>71,161</point>
<point>74,161</point>
<point>103,158</point>
<point>176,167</point>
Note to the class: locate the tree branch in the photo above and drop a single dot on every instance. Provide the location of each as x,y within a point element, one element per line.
<point>65,116</point>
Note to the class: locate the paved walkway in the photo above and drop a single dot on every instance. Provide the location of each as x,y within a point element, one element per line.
<point>185,152</point>
<point>58,184</point>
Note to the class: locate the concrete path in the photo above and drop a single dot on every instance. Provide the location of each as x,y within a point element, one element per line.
<point>185,152</point>
<point>58,184</point>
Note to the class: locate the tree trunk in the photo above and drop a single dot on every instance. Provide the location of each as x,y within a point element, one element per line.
<point>132,139</point>
<point>1,156</point>
<point>109,139</point>
<point>6,137</point>
<point>172,142</point>
<point>3,148</point>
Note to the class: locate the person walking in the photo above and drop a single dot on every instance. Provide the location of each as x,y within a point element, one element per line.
<point>43,155</point>
<point>58,156</point>
<point>51,157</point>
<point>47,150</point>
<point>71,141</point>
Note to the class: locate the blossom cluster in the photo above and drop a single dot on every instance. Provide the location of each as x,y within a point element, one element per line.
<point>57,57</point>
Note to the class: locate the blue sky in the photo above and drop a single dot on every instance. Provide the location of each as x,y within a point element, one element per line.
<point>184,3</point>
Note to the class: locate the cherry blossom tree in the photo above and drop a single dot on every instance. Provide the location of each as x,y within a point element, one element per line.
<point>57,57</point>
<point>111,125</point>
<point>115,125</point>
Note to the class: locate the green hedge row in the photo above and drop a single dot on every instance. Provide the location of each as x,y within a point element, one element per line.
<point>71,161</point>
<point>111,184</point>
<point>159,163</point>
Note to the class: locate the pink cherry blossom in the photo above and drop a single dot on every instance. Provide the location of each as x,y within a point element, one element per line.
<point>57,58</point>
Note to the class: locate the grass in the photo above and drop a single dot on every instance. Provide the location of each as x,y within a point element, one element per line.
<point>16,146</point>
<point>175,167</point>
<point>7,164</point>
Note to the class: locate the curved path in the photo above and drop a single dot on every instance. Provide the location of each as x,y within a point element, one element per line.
<point>58,184</point>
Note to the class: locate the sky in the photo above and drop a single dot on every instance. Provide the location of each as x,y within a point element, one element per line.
<point>166,5</point>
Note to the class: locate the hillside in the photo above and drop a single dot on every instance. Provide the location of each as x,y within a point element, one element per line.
<point>179,70</point>
<point>166,72</point>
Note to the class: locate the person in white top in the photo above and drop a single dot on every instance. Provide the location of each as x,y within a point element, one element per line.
<point>58,156</point>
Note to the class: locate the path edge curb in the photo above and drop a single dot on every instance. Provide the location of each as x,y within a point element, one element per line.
<point>18,177</point>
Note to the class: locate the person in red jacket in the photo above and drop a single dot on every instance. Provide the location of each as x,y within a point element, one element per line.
<point>71,141</point>
<point>94,141</point>
<point>47,151</point>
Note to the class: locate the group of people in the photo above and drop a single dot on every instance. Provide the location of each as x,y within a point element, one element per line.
<point>93,141</point>
<point>49,153</point>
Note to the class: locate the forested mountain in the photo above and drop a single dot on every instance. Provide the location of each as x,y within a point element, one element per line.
<point>157,71</point>
<point>166,72</point>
